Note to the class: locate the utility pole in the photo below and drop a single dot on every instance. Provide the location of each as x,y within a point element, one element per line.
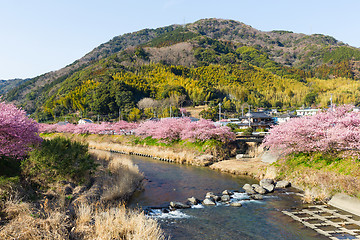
<point>219,112</point>
<point>249,116</point>
<point>119,114</point>
<point>98,118</point>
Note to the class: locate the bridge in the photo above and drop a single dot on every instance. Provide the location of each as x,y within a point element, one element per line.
<point>250,138</point>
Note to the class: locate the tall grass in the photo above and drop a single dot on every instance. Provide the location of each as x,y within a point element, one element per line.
<point>119,179</point>
<point>114,223</point>
<point>26,223</point>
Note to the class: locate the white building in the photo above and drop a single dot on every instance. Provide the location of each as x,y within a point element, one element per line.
<point>84,121</point>
<point>307,112</point>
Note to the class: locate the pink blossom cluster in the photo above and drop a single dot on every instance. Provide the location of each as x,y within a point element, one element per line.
<point>171,129</point>
<point>336,129</point>
<point>168,129</point>
<point>121,127</point>
<point>17,132</point>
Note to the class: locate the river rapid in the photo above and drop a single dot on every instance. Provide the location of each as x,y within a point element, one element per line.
<point>256,219</point>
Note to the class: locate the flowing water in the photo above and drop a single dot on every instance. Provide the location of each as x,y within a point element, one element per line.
<point>263,219</point>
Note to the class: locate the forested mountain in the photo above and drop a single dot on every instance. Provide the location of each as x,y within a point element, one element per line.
<point>7,85</point>
<point>209,61</point>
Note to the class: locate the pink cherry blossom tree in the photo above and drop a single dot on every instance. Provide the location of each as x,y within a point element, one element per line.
<point>17,132</point>
<point>333,130</point>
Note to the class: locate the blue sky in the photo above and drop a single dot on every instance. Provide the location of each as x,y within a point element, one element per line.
<point>39,36</point>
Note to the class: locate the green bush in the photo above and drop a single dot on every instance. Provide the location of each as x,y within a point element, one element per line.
<point>9,167</point>
<point>59,159</point>
<point>248,131</point>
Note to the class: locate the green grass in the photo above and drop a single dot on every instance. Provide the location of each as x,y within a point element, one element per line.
<point>330,173</point>
<point>321,161</point>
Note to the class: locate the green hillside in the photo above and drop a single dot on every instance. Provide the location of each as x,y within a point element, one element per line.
<point>208,62</point>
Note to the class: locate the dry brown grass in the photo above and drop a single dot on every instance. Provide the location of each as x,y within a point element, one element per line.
<point>252,167</point>
<point>25,222</point>
<point>320,185</point>
<point>178,156</point>
<point>91,222</point>
<point>119,179</point>
<point>93,217</point>
<point>115,223</point>
<point>315,194</point>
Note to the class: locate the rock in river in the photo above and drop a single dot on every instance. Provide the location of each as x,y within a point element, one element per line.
<point>268,187</point>
<point>178,205</point>
<point>236,204</point>
<point>208,201</point>
<point>266,181</point>
<point>248,189</point>
<point>257,197</point>
<point>259,189</point>
<point>225,198</point>
<point>227,192</point>
<point>193,200</point>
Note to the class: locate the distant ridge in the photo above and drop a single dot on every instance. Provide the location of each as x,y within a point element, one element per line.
<point>206,42</point>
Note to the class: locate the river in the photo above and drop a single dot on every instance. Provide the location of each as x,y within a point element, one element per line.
<point>263,219</point>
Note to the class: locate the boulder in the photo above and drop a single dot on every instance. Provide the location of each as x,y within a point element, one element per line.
<point>268,187</point>
<point>225,198</point>
<point>266,181</point>
<point>193,200</point>
<point>216,198</point>
<point>282,184</point>
<point>178,205</point>
<point>248,189</point>
<point>257,197</point>
<point>227,192</point>
<point>209,195</point>
<point>259,189</point>
<point>236,204</point>
<point>208,201</point>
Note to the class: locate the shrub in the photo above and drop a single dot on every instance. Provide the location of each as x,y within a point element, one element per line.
<point>248,131</point>
<point>59,159</point>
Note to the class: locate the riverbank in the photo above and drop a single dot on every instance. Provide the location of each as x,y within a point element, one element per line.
<point>252,167</point>
<point>318,184</point>
<point>183,153</point>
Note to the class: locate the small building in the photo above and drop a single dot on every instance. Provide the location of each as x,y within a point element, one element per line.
<point>284,118</point>
<point>84,121</point>
<point>256,120</point>
<point>307,112</point>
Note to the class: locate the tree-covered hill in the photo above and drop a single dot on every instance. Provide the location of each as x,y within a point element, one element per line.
<point>209,61</point>
<point>7,85</point>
